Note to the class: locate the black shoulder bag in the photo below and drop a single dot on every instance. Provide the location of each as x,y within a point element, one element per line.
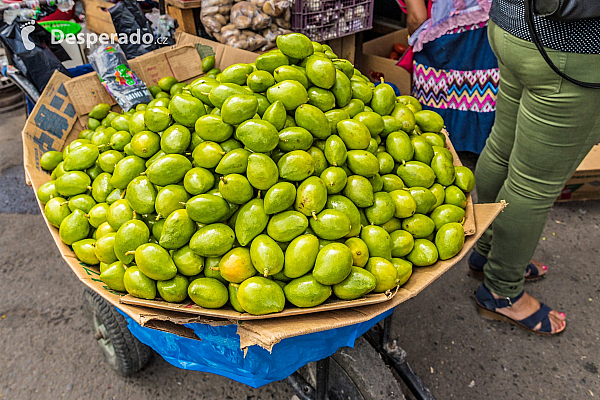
<point>563,11</point>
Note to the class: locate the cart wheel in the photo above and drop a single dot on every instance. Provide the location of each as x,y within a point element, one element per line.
<point>121,350</point>
<point>357,373</point>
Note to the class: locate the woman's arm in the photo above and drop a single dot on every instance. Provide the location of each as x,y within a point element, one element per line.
<point>416,14</point>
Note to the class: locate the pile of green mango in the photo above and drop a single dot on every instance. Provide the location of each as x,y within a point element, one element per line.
<point>291,179</point>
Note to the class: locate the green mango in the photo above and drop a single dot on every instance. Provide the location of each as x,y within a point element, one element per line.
<point>260,296</point>
<point>271,60</point>
<point>46,192</point>
<point>72,183</point>
<point>423,150</point>
<point>138,284</point>
<point>211,270</point>
<point>363,163</point>
<point>416,173</point>
<point>320,160</point>
<point>50,159</point>
<point>449,240</point>
<point>443,168</point>
<point>58,171</point>
<point>342,89</point>
<point>404,269</point>
<point>424,198</point>
<point>166,83</point>
<point>335,150</point>
<point>359,190</point>
<point>104,249</point>
<point>141,195</point>
<point>262,171</point>
<point>100,138</point>
<point>361,91</point>
<point>374,145</point>
<point>445,214</point>
<point>238,108</point>
<point>161,101</point>
<point>378,241</point>
<point>145,144</point>
<point>357,284</point>
<point>94,171</point>
<point>404,203</point>
<point>81,202</point>
<point>423,254</point>
<point>295,45</point>
<point>405,116</point>
<point>236,266</point>
<point>285,226</point>
<point>355,134</point>
<point>230,145</point>
<point>320,71</point>
<point>390,124</point>
<point>402,243</point>
<point>296,165</point>
<point>313,120</point>
<point>385,274</point>
<point>266,255</point>
<point>113,276</point>
<point>455,196</point>
<point>347,207</point>
<point>409,100</point>
<point>399,146</point>
<point>260,81</point>
<point>207,208</point>
<point>185,109</point>
<point>207,154</point>
<point>188,263</point>
<point>174,290</point>
<point>433,139</point>
<point>208,292</point>
<point>99,111</point>
<point>198,180</point>
<point>74,227</point>
<point>345,66</point>
<point>85,251</point>
<point>465,179</point>
<point>300,255</point>
<point>175,139</point>
<point>392,182</point>
<point>311,196</point>
<point>251,221</point>
<point>360,251</point>
<point>383,100</point>
<point>290,73</point>
<point>233,290</point>
<point>81,158</point>
<point>236,73</point>
<point>109,159</point>
<point>177,230</point>
<point>169,199</point>
<point>169,169</point>
<point>279,197</point>
<point>263,104</point>
<point>103,229</point>
<point>257,135</point>
<point>306,291</point>
<point>438,191</point>
<point>235,189</point>
<point>201,87</point>
<point>208,63</point>
<point>157,118</point>
<point>331,224</point>
<point>323,99</point>
<point>295,138</point>
<point>155,157</point>
<point>419,225</point>
<point>129,237</point>
<point>136,124</point>
<point>333,264</point>
<point>335,179</point>
<point>354,107</point>
<point>392,225</point>
<point>291,93</point>
<point>97,214</point>
<point>382,210</point>
<point>222,92</point>
<point>125,170</point>
<point>157,229</point>
<point>429,121</point>
<point>335,116</point>
<point>93,123</point>
<point>234,162</point>
<point>213,240</point>
<point>372,120</point>
<point>386,162</point>
<point>275,114</point>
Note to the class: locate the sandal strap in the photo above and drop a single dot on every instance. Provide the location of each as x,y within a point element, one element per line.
<point>540,315</point>
<point>486,299</point>
<point>534,271</point>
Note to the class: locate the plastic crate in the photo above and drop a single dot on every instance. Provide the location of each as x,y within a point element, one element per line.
<point>323,20</point>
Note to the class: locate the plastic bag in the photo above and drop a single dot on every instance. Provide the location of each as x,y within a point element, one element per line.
<point>214,14</point>
<point>128,18</point>
<point>33,53</point>
<point>120,81</point>
<point>163,27</point>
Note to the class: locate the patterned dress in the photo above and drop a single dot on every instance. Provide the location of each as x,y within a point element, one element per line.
<point>455,71</point>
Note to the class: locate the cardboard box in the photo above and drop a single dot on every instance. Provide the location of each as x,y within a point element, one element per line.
<point>97,17</point>
<point>375,58</point>
<point>56,120</point>
<point>585,182</point>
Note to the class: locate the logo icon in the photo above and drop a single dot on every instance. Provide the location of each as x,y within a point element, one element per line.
<point>27,29</point>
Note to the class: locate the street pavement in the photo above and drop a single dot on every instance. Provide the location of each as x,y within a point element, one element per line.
<point>47,350</point>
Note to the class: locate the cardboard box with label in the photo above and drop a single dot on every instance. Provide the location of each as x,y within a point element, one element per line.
<point>61,113</point>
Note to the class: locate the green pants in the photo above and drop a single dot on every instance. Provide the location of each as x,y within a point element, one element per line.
<point>543,129</point>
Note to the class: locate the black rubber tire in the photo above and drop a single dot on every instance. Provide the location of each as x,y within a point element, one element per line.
<point>123,352</point>
<point>358,373</point>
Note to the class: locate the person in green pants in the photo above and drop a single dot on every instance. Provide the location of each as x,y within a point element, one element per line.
<point>544,127</point>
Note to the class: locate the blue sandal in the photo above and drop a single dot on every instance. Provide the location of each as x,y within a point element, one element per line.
<point>477,261</point>
<point>487,304</point>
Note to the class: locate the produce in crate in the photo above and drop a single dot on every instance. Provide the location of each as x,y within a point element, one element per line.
<point>291,179</point>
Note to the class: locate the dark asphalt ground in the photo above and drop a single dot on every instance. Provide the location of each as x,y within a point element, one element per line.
<point>47,350</point>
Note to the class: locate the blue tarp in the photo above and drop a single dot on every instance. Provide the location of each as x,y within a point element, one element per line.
<point>219,352</point>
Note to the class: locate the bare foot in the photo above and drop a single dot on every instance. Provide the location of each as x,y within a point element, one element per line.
<point>526,306</point>
<point>541,267</point>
